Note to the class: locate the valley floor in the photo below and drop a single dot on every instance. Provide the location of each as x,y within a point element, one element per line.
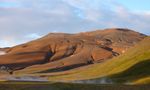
<point>66,86</point>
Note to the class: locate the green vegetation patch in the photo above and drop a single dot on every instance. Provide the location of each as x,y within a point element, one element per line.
<point>67,86</point>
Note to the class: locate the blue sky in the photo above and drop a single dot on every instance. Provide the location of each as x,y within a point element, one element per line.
<point>136,5</point>
<point>25,20</point>
<point>6,4</point>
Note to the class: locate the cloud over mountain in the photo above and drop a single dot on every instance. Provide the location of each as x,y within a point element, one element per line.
<point>24,20</point>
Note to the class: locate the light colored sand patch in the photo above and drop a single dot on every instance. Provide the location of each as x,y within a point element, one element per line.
<point>2,52</point>
<point>26,78</point>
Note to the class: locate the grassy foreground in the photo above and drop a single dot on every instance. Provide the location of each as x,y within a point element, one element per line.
<point>66,86</point>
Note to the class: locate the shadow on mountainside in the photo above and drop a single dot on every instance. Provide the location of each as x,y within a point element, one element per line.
<point>139,70</point>
<point>64,68</point>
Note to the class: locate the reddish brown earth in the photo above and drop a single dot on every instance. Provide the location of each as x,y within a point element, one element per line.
<point>61,51</point>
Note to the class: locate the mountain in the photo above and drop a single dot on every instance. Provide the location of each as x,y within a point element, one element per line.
<point>60,51</point>
<point>132,67</point>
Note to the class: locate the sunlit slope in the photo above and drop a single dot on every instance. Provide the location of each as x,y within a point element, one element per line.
<point>122,66</point>
<point>57,52</point>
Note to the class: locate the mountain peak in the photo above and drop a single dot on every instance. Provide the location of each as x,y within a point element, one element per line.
<point>61,51</point>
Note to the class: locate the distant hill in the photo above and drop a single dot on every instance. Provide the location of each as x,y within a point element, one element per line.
<point>60,51</point>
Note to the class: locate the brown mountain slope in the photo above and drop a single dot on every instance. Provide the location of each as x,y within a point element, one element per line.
<point>59,51</point>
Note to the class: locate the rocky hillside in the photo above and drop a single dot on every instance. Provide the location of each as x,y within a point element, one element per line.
<point>131,67</point>
<point>61,51</point>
